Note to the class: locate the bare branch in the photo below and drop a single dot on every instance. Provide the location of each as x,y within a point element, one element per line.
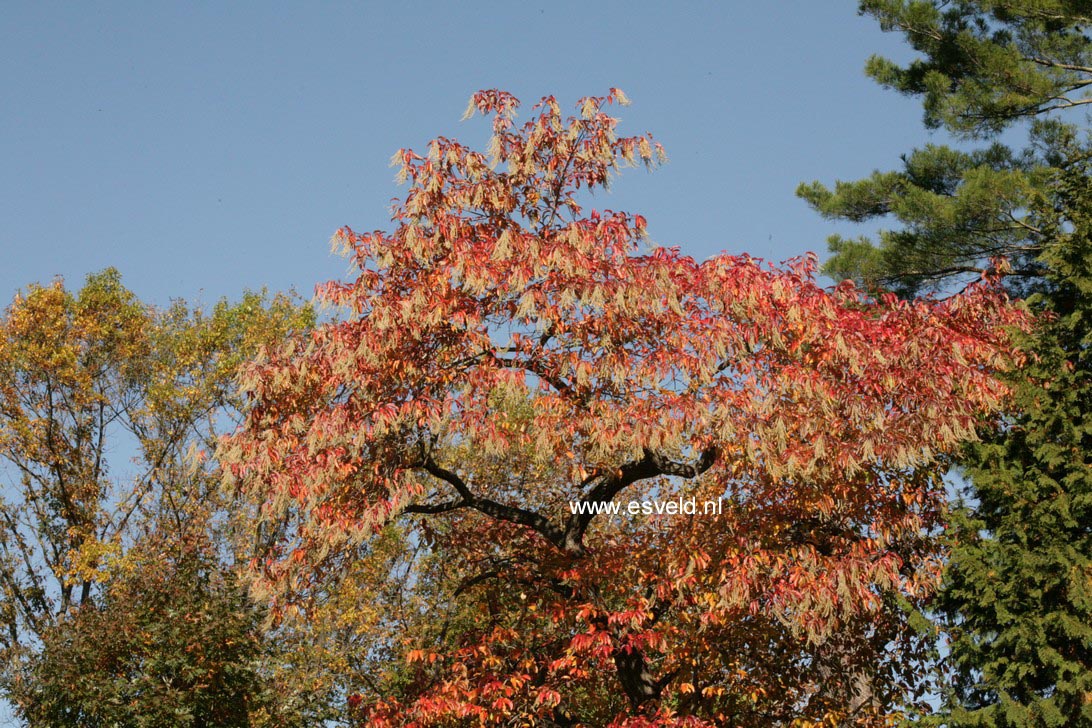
<point>502,511</point>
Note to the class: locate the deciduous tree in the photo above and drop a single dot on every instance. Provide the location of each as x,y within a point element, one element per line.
<point>172,641</point>
<point>90,381</point>
<point>510,360</point>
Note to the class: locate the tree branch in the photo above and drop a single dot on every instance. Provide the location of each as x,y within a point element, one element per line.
<point>649,466</point>
<point>571,538</point>
<point>513,514</point>
<point>432,508</point>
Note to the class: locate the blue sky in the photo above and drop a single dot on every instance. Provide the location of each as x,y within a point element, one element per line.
<point>207,148</point>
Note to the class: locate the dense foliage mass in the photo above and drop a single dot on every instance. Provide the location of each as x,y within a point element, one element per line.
<point>1018,594</point>
<point>173,642</point>
<point>509,361</point>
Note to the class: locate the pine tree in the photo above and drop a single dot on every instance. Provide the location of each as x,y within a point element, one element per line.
<point>986,66</point>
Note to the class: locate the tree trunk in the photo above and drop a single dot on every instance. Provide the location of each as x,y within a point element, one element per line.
<point>637,681</point>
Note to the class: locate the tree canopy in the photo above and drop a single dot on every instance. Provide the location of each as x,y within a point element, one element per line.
<point>116,567</point>
<point>509,361</point>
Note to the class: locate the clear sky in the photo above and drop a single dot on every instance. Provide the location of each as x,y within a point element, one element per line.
<point>204,148</point>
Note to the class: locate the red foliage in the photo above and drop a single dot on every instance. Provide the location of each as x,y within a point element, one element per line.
<point>507,352</point>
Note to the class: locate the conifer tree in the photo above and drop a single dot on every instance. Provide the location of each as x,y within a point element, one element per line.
<point>1018,590</point>
<point>986,66</point>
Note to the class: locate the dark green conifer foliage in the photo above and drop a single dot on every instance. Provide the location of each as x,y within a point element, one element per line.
<point>987,63</point>
<point>958,210</point>
<point>1017,598</point>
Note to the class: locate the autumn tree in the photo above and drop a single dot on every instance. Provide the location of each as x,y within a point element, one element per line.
<point>509,362</point>
<point>349,637</point>
<point>111,509</point>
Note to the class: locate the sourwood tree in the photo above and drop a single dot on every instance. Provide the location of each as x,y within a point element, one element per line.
<point>509,363</point>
